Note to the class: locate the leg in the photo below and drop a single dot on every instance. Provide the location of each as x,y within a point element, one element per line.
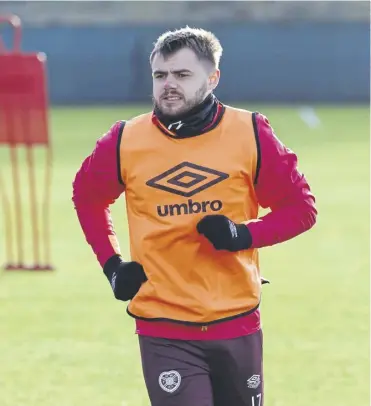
<point>237,371</point>
<point>175,372</point>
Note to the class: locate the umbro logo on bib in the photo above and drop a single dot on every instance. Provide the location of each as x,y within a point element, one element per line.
<point>187,179</point>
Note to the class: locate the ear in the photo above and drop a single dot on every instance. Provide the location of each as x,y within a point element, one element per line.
<point>214,79</point>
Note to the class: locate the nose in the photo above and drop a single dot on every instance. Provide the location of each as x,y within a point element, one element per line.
<point>169,84</point>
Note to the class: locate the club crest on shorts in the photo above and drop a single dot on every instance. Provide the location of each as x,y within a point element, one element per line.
<point>169,381</point>
<point>253,382</point>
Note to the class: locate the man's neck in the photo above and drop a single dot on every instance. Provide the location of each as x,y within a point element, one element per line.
<point>196,121</point>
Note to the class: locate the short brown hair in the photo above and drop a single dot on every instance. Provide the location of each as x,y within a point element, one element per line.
<point>203,43</point>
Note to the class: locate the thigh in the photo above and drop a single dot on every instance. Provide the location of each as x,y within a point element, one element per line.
<point>237,371</point>
<point>175,372</point>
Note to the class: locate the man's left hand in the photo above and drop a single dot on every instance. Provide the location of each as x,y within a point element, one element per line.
<point>224,234</point>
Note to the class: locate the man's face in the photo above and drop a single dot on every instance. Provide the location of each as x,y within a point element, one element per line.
<point>181,81</point>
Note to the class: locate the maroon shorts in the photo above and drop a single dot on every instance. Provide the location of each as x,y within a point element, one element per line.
<point>203,373</point>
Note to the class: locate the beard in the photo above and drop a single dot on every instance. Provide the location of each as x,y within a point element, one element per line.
<point>184,105</point>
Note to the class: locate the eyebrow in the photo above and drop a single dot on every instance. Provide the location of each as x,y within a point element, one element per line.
<point>162,72</point>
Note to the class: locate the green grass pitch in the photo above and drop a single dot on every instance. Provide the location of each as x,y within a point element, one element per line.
<point>65,341</point>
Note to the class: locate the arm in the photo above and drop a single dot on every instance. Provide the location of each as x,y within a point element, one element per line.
<point>279,186</point>
<point>282,188</point>
<point>95,188</point>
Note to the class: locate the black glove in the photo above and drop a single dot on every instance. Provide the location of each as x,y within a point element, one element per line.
<point>125,278</point>
<point>224,234</point>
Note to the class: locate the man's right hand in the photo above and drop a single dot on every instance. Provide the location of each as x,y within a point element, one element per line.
<point>125,278</point>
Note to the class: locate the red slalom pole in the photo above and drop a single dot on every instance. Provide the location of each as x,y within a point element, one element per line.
<point>46,206</point>
<point>33,204</point>
<point>24,105</point>
<point>17,206</point>
<point>9,248</point>
<point>15,22</point>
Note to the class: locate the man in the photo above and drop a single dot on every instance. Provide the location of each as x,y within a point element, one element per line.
<point>194,173</point>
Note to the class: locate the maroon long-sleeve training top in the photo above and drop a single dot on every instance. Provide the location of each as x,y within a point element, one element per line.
<point>280,187</point>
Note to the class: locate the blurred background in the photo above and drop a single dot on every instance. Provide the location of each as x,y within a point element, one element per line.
<point>274,51</point>
<point>64,340</point>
